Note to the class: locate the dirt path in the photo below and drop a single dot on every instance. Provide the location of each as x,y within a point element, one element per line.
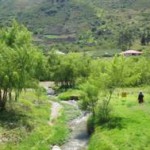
<point>56,107</point>
<point>55,112</point>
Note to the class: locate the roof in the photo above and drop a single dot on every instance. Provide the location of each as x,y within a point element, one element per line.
<point>60,53</point>
<point>131,52</point>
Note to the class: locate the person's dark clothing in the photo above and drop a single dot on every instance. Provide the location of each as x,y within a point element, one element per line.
<point>140,97</point>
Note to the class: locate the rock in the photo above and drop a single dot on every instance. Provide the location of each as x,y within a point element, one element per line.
<point>56,147</point>
<point>50,91</point>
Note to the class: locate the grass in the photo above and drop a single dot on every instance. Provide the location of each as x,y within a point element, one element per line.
<point>71,111</point>
<point>129,127</point>
<point>59,36</point>
<point>25,125</point>
<point>67,95</point>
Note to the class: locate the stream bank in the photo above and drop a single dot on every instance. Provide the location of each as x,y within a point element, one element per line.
<point>78,139</point>
<point>77,121</point>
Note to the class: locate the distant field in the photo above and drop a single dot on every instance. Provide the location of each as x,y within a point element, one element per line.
<point>59,36</point>
<point>104,52</point>
<point>129,128</point>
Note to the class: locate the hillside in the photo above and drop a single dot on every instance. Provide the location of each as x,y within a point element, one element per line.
<point>66,20</point>
<point>48,16</point>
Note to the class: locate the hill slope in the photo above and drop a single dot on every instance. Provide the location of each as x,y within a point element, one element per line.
<point>63,16</point>
<point>48,16</point>
<point>100,18</point>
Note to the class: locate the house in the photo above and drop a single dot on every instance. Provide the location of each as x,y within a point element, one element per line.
<point>131,53</point>
<point>60,53</point>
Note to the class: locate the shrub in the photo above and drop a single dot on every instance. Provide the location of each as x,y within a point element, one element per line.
<point>70,95</point>
<point>103,112</point>
<point>90,124</point>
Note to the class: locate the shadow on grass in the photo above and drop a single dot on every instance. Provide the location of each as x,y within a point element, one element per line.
<point>115,122</point>
<point>118,123</point>
<point>12,119</point>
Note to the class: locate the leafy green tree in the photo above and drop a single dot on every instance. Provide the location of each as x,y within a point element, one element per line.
<point>90,97</point>
<point>18,59</point>
<point>67,69</point>
<point>105,77</point>
<point>145,36</point>
<point>126,37</point>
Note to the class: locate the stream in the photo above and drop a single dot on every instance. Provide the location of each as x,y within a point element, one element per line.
<point>79,137</point>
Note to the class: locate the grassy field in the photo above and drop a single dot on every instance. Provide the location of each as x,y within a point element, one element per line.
<point>129,127</point>
<point>60,36</point>
<point>25,126</point>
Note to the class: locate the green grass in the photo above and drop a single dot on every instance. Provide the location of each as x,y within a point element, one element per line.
<point>71,111</point>
<point>71,92</point>
<point>59,36</point>
<point>129,127</point>
<point>26,125</point>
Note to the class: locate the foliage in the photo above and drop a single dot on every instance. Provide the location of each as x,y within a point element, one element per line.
<point>70,94</point>
<point>100,25</point>
<point>105,77</point>
<point>25,126</point>
<point>91,125</point>
<point>18,61</point>
<point>103,112</point>
<point>67,69</point>
<point>39,91</point>
<point>127,128</point>
<point>90,97</point>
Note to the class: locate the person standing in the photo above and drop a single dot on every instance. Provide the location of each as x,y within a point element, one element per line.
<point>141,98</point>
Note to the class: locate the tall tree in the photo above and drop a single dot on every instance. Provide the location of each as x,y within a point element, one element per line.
<point>18,59</point>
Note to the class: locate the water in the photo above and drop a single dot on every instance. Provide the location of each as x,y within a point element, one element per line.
<point>79,136</point>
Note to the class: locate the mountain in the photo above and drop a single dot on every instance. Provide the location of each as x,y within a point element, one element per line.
<point>67,19</point>
<point>48,16</point>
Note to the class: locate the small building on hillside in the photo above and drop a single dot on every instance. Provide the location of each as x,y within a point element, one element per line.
<point>60,53</point>
<point>131,53</point>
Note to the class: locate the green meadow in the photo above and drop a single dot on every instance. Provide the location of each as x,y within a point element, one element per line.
<point>128,129</point>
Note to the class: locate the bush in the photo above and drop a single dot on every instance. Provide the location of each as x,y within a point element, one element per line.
<point>90,124</point>
<point>70,95</point>
<point>103,112</point>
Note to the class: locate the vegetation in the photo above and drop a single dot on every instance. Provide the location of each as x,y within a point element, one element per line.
<point>25,125</point>
<point>63,68</point>
<point>94,25</point>
<point>127,129</point>
<point>97,82</point>
<point>24,113</point>
<point>18,62</point>
<point>70,94</point>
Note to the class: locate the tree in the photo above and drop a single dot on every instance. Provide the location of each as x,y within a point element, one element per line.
<point>105,77</point>
<point>67,69</point>
<point>145,36</point>
<point>18,59</point>
<point>90,97</point>
<point>126,37</point>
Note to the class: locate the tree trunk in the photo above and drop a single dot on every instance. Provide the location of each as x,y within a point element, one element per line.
<point>16,95</point>
<point>10,95</point>
<point>3,100</point>
<point>2,105</point>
